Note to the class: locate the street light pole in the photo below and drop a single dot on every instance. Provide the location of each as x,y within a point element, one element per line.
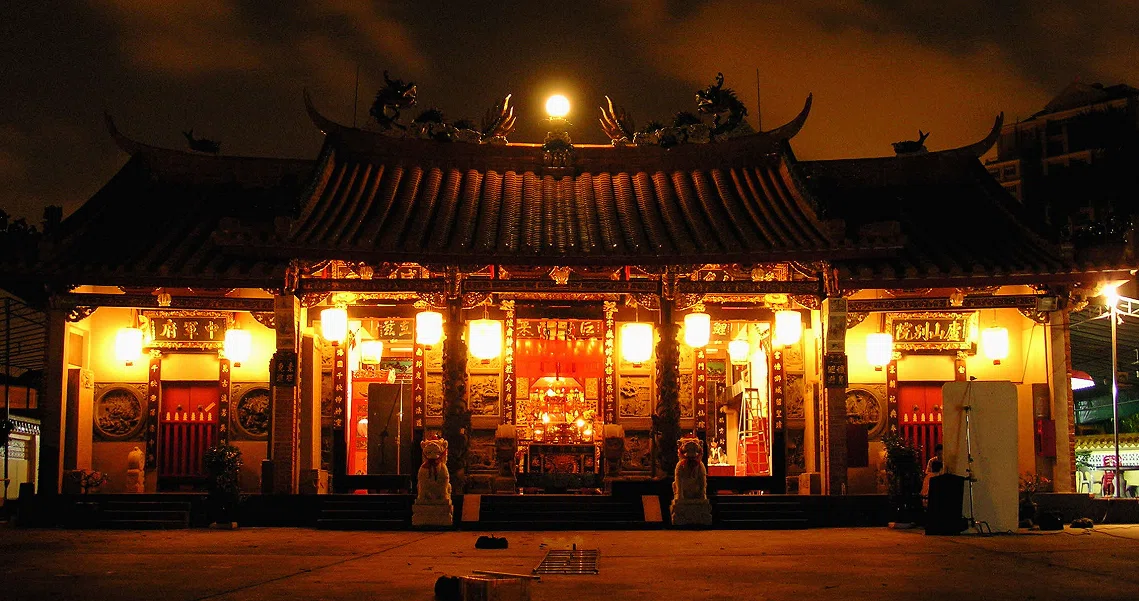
<point>1113,299</point>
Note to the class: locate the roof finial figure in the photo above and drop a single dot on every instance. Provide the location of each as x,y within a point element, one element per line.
<point>201,144</point>
<point>395,95</point>
<point>911,146</point>
<point>716,100</point>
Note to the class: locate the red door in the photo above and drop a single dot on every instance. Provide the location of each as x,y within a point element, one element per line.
<point>187,427</point>
<point>919,415</point>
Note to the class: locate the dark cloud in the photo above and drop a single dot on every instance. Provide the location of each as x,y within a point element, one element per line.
<point>234,70</point>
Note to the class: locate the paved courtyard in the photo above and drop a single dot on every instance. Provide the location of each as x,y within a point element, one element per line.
<point>285,563</point>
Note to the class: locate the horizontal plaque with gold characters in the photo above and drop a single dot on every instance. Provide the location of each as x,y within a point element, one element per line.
<point>932,330</point>
<point>186,330</point>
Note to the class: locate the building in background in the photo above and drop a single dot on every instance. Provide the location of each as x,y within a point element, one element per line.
<point>1075,164</point>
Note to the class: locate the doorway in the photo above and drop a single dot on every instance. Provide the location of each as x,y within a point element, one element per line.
<point>188,422</point>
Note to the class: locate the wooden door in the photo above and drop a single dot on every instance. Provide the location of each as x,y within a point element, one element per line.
<point>919,415</point>
<point>187,427</point>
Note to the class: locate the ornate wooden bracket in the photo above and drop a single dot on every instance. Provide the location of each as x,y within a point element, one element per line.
<point>80,313</point>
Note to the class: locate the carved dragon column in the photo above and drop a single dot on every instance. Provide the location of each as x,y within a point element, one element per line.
<point>668,378</point>
<point>456,416</point>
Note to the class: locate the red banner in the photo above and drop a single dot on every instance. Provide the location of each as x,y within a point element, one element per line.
<point>579,359</point>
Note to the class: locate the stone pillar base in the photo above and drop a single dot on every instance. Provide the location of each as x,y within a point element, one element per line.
<point>505,484</point>
<point>691,512</point>
<point>432,513</point>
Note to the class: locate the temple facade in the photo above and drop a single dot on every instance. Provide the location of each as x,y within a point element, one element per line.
<point>561,314</point>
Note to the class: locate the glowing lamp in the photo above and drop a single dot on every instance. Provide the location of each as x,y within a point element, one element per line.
<point>428,328</point>
<point>371,351</point>
<point>485,339</point>
<point>994,342</point>
<point>636,342</point>
<point>788,327</point>
<point>334,324</point>
<point>738,351</point>
<point>557,106</point>
<point>128,345</point>
<point>697,329</point>
<point>879,349</point>
<point>580,423</point>
<point>238,345</point>
<point>1081,380</point>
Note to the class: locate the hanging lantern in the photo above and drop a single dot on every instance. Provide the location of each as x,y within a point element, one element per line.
<point>879,349</point>
<point>428,328</point>
<point>697,329</point>
<point>334,324</point>
<point>371,351</point>
<point>738,351</point>
<point>788,327</point>
<point>994,342</point>
<point>238,345</point>
<point>485,339</point>
<point>128,345</point>
<point>636,342</point>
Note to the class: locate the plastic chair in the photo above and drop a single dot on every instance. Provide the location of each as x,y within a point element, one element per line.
<point>1107,485</point>
<point>1084,482</point>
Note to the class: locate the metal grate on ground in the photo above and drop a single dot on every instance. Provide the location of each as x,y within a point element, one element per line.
<point>569,561</point>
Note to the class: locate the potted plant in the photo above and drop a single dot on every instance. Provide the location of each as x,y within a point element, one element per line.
<point>904,476</point>
<point>1030,484</point>
<point>223,470</point>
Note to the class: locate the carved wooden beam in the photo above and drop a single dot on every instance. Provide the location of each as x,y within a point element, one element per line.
<point>1007,301</point>
<point>806,287</point>
<point>147,301</point>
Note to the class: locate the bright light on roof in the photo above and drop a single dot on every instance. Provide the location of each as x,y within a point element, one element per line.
<point>1081,380</point>
<point>557,106</point>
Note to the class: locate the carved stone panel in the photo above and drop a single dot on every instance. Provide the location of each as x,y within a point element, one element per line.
<point>795,394</point>
<point>118,411</point>
<point>485,394</point>
<point>251,411</point>
<point>686,395</point>
<point>635,396</point>
<point>434,394</point>
<point>638,452</point>
<point>481,452</point>
<point>866,404</point>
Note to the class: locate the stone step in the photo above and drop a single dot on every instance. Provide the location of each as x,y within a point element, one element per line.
<point>332,523</point>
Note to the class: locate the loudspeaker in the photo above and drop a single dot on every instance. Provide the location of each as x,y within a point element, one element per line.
<point>943,514</point>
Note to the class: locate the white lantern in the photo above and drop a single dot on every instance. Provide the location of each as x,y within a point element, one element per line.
<point>636,342</point>
<point>738,351</point>
<point>428,328</point>
<point>334,324</point>
<point>128,345</point>
<point>485,339</point>
<point>879,349</point>
<point>994,342</point>
<point>371,351</point>
<point>238,345</point>
<point>788,327</point>
<point>362,427</point>
<point>697,329</point>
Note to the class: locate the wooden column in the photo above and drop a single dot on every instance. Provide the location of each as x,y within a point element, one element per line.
<point>1063,407</point>
<point>51,406</point>
<point>668,387</point>
<point>456,416</point>
<point>285,427</point>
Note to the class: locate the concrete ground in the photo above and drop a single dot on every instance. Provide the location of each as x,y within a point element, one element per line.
<point>288,563</point>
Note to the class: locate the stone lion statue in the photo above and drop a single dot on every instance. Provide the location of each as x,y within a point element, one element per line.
<point>690,480</point>
<point>434,480</point>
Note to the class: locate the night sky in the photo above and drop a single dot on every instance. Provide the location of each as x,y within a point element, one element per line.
<point>234,71</point>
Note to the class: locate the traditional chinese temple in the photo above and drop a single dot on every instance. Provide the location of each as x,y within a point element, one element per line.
<point>560,313</point>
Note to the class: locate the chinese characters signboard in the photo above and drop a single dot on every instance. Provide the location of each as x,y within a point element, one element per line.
<point>931,331</point>
<point>196,330</point>
<point>834,370</point>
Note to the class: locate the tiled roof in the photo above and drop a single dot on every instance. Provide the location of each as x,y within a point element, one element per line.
<point>959,224</point>
<point>153,222</point>
<point>377,197</point>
